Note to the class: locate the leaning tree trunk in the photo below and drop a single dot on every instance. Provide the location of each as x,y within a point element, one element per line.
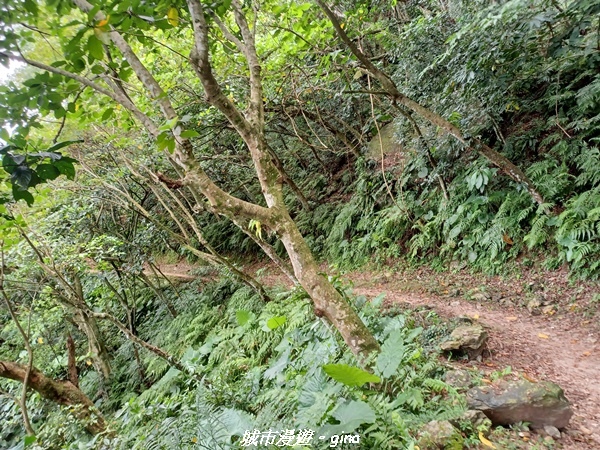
<point>471,144</point>
<point>62,392</point>
<point>327,300</point>
<point>250,125</point>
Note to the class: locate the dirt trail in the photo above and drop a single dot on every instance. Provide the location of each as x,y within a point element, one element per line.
<point>560,348</point>
<point>543,348</point>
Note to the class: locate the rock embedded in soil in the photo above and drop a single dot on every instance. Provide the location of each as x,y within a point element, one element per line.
<point>474,417</point>
<point>552,431</point>
<point>469,339</point>
<point>508,402</point>
<point>481,296</point>
<point>440,434</point>
<point>458,378</point>
<point>533,306</point>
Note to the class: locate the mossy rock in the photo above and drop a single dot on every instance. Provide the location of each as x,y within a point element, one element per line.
<point>440,435</point>
<point>508,402</point>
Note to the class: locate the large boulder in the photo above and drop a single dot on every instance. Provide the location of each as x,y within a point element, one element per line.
<point>507,402</point>
<point>469,339</point>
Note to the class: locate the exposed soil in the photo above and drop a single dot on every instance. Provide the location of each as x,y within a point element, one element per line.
<point>558,340</point>
<point>561,346</point>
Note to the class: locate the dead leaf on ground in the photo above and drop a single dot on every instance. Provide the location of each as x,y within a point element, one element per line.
<point>506,238</point>
<point>529,378</point>
<point>485,442</point>
<point>512,318</point>
<point>543,336</point>
<point>587,353</point>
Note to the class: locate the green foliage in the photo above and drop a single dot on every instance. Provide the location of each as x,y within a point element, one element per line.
<point>350,376</point>
<point>520,75</point>
<point>256,378</point>
<point>24,170</point>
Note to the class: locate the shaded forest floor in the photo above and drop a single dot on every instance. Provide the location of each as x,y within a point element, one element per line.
<point>541,325</point>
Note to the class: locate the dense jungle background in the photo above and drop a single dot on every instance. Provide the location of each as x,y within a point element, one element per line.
<point>190,189</point>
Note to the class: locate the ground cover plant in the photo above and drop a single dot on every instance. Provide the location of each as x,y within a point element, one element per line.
<point>310,137</point>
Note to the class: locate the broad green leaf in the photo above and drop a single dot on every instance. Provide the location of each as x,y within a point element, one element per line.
<point>63,144</point>
<point>66,168</point>
<point>10,162</point>
<point>392,352</point>
<point>242,317</point>
<point>21,177</point>
<point>236,422</point>
<point>189,134</point>
<point>350,376</point>
<point>351,415</point>
<point>223,7</point>
<point>107,114</point>
<point>4,135</point>
<point>95,48</point>
<point>31,7</point>
<point>278,366</point>
<point>276,322</point>
<point>354,411</point>
<point>22,195</point>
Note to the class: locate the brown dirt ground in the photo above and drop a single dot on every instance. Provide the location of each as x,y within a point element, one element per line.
<point>561,344</point>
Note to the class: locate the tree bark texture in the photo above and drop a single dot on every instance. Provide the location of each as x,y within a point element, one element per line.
<point>62,392</point>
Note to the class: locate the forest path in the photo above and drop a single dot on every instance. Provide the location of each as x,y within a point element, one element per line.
<point>530,345</point>
<point>563,347</point>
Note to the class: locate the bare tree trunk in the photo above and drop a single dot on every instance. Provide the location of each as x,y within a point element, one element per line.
<point>327,300</point>
<point>71,364</point>
<point>61,392</point>
<point>250,127</point>
<point>97,349</point>
<point>71,296</point>
<point>25,336</point>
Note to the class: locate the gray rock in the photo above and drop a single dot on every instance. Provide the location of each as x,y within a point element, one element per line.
<point>469,339</point>
<point>506,403</point>
<point>481,296</point>
<point>552,431</point>
<point>533,306</point>
<point>458,378</point>
<point>439,434</point>
<point>542,299</point>
<point>389,143</point>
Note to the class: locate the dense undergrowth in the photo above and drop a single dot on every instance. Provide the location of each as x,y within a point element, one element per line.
<point>521,76</point>
<point>543,112</point>
<point>258,367</point>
